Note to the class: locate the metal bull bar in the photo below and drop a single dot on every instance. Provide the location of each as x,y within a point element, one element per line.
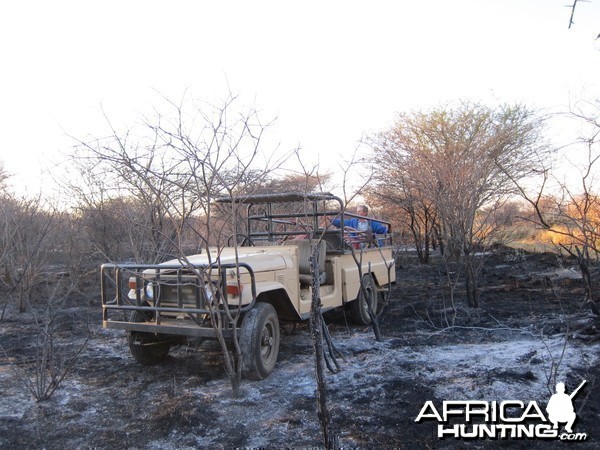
<point>187,296</point>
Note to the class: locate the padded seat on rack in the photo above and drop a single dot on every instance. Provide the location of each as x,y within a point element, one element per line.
<point>304,252</point>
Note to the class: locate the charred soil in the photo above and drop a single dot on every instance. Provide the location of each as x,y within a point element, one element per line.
<point>530,331</point>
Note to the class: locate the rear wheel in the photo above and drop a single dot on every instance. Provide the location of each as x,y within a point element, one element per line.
<point>359,308</point>
<point>259,341</point>
<point>147,348</point>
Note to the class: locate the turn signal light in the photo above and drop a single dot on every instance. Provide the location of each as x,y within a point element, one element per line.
<point>133,283</point>
<point>235,289</point>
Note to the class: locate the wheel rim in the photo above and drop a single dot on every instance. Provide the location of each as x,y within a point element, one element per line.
<point>267,341</point>
<point>368,289</point>
<point>368,298</point>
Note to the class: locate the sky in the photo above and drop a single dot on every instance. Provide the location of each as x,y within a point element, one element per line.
<point>327,72</point>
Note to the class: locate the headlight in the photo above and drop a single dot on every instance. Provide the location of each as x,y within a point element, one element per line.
<point>149,291</point>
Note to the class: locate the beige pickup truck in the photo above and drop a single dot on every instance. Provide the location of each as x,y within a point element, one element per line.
<point>244,290</point>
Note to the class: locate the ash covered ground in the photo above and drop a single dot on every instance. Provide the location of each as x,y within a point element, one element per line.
<point>531,330</point>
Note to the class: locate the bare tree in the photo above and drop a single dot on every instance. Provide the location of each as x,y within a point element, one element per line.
<point>4,176</point>
<point>120,189</point>
<point>34,237</point>
<point>184,161</point>
<point>570,209</point>
<point>416,213</point>
<point>573,7</point>
<point>295,182</point>
<point>44,372</point>
<point>452,162</point>
<point>27,238</point>
<point>360,172</point>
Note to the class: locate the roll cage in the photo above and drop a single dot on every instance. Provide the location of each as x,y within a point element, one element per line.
<point>272,219</point>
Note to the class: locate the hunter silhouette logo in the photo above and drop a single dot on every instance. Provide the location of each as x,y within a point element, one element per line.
<point>560,407</point>
<point>508,419</point>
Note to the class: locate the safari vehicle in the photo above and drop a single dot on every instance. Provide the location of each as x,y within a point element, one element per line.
<point>243,290</point>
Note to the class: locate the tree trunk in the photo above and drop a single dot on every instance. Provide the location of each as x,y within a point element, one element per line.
<point>471,282</point>
<point>583,260</point>
<point>316,330</point>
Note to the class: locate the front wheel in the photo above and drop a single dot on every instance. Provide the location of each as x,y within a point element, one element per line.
<point>259,341</point>
<point>146,348</point>
<point>359,308</point>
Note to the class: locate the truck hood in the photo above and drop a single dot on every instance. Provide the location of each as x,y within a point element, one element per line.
<point>259,258</point>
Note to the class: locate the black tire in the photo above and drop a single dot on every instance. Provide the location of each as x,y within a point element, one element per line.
<point>359,308</point>
<point>146,348</point>
<point>259,341</point>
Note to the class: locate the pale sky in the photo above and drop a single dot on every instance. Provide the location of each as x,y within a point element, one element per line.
<point>328,71</point>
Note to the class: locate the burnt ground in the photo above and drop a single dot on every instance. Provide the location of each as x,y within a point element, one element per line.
<point>530,331</point>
